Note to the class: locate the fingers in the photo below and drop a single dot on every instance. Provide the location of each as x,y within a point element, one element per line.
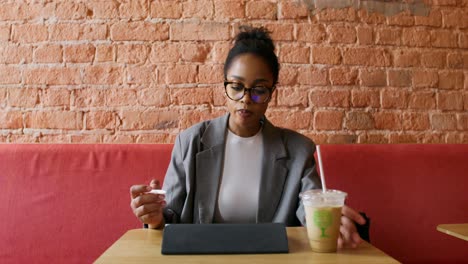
<point>349,235</point>
<point>137,190</point>
<point>149,210</point>
<point>145,199</point>
<point>155,184</point>
<point>353,215</point>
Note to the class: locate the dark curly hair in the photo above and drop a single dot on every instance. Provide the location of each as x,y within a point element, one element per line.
<point>256,41</point>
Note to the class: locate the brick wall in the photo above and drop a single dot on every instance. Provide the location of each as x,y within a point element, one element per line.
<point>142,71</point>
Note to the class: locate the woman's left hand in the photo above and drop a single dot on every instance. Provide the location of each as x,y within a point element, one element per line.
<point>349,237</point>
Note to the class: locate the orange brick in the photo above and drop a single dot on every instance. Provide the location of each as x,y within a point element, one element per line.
<point>261,9</point>
<point>52,76</point>
<point>425,79</point>
<point>120,97</point>
<point>388,120</point>
<point>23,138</point>
<point>55,97</point>
<point>48,54</point>
<point>103,9</point>
<point>462,121</point>
<point>179,74</point>
<point>141,75</point>
<point>10,75</point>
<point>135,9</point>
<point>312,76</point>
<point>434,59</point>
<point>200,31</point>
<point>416,121</point>
<point>100,120</point>
<point>434,19</point>
<point>342,34</point>
<point>463,42</point>
<point>190,119</point>
<point>326,55</point>
<point>201,9</point>
<point>328,120</point>
<point>219,52</point>
<point>70,11</point>
<point>292,10</point>
<point>329,98</point>
<point>422,100</point>
<point>103,74</point>
<point>415,37</point>
<point>401,19</point>
<point>368,138</point>
<point>402,138</point>
<point>365,35</point>
<point>212,74</point>
<point>144,31</point>
<point>154,139</point>
<point>291,119</point>
<point>26,11</point>
<point>166,9</point>
<point>444,121</point>
<point>365,98</point>
<point>291,53</point>
<point>341,139</point>
<point>288,75</point>
<point>449,100</point>
<point>332,14</point>
<point>105,53</point>
<point>366,57</point>
<point>79,53</point>
<point>165,52</point>
<point>149,120</point>
<point>11,119</point>
<point>118,139</point>
<point>368,17</point>
<point>373,77</point>
<point>29,33</point>
<point>54,120</point>
<point>406,58</point>
<point>311,33</point>
<point>191,96</point>
<point>388,36</point>
<point>22,97</point>
<point>194,52</point>
<point>69,31</point>
<point>455,60</point>
<point>4,33</point>
<point>359,120</point>
<point>399,78</point>
<point>88,97</point>
<point>132,54</point>
<point>12,54</point>
<point>153,96</point>
<point>53,138</point>
<point>394,98</point>
<point>288,96</point>
<point>229,9</point>
<point>279,32</point>
<point>455,18</point>
<point>343,76</point>
<point>444,39</point>
<point>450,80</point>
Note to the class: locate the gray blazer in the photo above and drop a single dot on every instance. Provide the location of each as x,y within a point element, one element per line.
<point>193,176</point>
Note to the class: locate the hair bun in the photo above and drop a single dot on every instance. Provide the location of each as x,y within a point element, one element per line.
<point>259,35</point>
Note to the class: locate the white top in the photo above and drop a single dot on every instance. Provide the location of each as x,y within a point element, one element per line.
<point>240,182</point>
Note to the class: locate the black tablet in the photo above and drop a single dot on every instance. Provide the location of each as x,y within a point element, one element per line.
<point>224,239</point>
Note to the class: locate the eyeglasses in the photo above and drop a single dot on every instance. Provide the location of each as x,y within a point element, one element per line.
<point>236,91</point>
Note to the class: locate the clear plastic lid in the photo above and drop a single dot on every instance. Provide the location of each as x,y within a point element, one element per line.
<point>319,198</point>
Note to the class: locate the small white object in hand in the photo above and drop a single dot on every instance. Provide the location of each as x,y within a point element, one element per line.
<point>157,191</point>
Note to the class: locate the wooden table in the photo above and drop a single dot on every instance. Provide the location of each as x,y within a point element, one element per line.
<point>456,230</point>
<point>144,246</point>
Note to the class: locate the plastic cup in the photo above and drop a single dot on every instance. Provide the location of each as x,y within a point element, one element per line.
<point>323,218</point>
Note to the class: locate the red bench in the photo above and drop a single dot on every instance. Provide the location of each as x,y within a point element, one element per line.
<point>67,203</point>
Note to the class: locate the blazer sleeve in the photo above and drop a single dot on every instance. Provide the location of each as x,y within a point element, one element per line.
<point>175,185</point>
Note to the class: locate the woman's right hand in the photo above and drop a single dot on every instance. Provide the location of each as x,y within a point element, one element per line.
<point>148,207</point>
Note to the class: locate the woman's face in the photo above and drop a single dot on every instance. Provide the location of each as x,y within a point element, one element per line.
<point>250,71</point>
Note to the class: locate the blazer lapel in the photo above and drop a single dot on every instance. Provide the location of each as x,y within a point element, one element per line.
<point>274,172</point>
<point>209,164</point>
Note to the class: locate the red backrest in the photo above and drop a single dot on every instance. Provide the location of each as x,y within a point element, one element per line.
<point>67,203</point>
<point>406,190</point>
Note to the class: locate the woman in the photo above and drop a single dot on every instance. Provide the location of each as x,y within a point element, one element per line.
<point>239,160</point>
